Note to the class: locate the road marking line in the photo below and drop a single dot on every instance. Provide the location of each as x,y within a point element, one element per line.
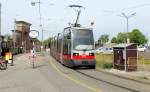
<point>74,80</point>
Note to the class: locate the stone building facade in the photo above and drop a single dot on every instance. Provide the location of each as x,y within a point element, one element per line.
<point>21,35</point>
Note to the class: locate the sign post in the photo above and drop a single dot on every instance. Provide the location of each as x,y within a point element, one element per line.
<point>33,34</point>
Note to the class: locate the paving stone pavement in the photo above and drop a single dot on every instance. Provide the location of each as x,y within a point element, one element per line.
<point>23,78</point>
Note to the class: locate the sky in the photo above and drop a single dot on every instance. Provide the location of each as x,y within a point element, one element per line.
<point>56,15</point>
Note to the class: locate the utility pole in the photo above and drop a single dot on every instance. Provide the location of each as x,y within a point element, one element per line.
<point>127,21</point>
<point>0,18</point>
<point>14,33</point>
<point>0,31</point>
<point>127,37</point>
<point>40,15</point>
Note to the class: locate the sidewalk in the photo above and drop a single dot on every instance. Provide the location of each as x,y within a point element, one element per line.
<point>139,76</point>
<point>24,61</point>
<point>23,78</point>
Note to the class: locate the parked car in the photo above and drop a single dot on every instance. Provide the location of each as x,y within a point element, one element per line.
<point>105,50</point>
<point>141,48</point>
<point>108,50</point>
<point>98,50</point>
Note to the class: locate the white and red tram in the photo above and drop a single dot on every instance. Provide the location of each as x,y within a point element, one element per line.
<point>74,47</point>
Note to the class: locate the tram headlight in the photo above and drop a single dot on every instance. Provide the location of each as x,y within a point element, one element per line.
<point>91,54</point>
<point>75,54</point>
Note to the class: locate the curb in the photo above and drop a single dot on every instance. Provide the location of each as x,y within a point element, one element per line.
<point>125,77</point>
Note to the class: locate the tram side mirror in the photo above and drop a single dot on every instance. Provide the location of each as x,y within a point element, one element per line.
<point>68,36</point>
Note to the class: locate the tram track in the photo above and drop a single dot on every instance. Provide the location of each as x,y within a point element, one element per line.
<point>108,82</point>
<point>86,73</point>
<point>138,81</point>
<point>98,79</point>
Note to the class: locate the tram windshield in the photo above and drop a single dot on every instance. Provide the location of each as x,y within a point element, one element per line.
<point>83,39</point>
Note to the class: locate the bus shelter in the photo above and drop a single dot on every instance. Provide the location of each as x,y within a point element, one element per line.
<point>125,57</point>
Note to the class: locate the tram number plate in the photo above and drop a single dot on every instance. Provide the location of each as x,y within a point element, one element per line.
<point>84,62</point>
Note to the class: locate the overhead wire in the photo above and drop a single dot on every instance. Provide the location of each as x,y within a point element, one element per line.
<point>134,7</point>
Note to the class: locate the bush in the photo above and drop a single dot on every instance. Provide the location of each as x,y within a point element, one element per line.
<point>16,50</point>
<point>104,61</point>
<point>107,65</point>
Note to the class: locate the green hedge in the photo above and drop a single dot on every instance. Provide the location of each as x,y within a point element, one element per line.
<point>104,61</point>
<point>16,50</point>
<point>107,65</point>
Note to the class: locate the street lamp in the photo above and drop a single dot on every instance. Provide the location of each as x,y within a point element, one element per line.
<point>0,30</point>
<point>127,19</point>
<point>14,33</point>
<point>0,18</point>
<point>40,15</point>
<point>39,4</point>
<point>127,40</point>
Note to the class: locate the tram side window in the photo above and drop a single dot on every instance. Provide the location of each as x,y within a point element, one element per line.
<point>69,45</point>
<point>55,44</point>
<point>65,45</point>
<point>59,44</point>
<point>69,41</point>
<point>51,44</point>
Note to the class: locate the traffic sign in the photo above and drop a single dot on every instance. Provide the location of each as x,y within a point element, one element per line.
<point>33,33</point>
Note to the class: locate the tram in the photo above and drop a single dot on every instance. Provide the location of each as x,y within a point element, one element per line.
<point>74,46</point>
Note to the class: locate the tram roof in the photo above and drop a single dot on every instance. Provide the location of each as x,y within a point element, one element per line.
<point>78,28</point>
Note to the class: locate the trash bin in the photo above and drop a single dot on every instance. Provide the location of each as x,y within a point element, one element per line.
<point>9,57</point>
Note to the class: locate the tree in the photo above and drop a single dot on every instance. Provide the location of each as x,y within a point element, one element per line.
<point>36,41</point>
<point>104,38</point>
<point>122,37</point>
<point>137,37</point>
<point>47,41</point>
<point>114,40</point>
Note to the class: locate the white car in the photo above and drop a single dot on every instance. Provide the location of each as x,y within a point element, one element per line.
<point>98,50</point>
<point>141,49</point>
<point>108,50</point>
<point>105,50</point>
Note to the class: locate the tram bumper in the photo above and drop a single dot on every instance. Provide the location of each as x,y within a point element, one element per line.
<point>84,62</point>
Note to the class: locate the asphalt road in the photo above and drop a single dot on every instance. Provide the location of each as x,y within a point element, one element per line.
<point>50,76</point>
